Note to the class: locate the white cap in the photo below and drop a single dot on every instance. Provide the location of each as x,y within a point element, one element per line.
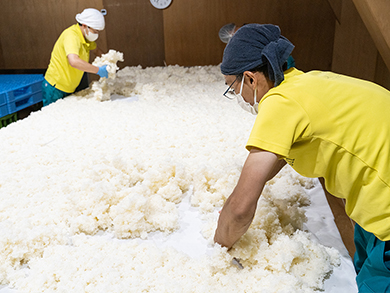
<point>92,18</point>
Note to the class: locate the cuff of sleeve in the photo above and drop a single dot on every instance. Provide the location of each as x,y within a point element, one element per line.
<point>273,148</point>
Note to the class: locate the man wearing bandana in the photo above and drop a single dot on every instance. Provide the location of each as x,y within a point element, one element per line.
<point>323,125</point>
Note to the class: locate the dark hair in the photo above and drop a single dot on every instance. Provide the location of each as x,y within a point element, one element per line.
<point>262,69</point>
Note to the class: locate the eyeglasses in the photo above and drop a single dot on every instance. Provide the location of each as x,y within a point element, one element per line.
<point>230,93</point>
<point>93,30</point>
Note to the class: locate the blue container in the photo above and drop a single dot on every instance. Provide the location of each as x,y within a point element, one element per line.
<point>4,110</point>
<point>19,91</point>
<point>3,106</point>
<point>3,100</point>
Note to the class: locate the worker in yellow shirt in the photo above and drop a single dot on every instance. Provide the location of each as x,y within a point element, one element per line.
<point>323,125</point>
<point>70,56</point>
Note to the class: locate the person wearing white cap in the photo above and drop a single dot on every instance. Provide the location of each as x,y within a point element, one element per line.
<point>70,56</point>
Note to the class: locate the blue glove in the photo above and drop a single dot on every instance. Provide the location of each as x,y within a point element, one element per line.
<point>103,71</point>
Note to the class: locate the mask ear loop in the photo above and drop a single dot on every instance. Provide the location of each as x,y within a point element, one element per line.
<point>255,94</point>
<point>242,84</point>
<point>255,104</point>
<point>86,31</point>
<point>244,104</point>
<point>89,31</point>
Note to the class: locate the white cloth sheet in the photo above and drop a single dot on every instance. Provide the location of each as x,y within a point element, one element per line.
<point>188,238</point>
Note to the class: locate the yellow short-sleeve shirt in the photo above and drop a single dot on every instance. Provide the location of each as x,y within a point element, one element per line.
<point>337,127</point>
<point>59,73</point>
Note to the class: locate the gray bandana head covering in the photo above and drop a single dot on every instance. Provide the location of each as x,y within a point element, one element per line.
<point>254,45</point>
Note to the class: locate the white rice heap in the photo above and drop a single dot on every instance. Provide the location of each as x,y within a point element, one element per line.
<point>82,179</point>
<point>102,89</point>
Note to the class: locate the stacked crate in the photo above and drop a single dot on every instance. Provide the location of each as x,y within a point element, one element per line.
<point>17,92</point>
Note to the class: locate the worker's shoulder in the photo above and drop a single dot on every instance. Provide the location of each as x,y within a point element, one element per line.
<point>72,31</point>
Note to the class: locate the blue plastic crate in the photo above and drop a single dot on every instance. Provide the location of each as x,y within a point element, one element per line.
<point>4,110</point>
<point>19,91</point>
<point>24,102</point>
<point>3,100</point>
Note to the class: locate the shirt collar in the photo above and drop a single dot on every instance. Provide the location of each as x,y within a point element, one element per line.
<point>83,40</point>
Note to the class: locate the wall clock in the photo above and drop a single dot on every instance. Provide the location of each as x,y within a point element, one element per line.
<point>161,4</point>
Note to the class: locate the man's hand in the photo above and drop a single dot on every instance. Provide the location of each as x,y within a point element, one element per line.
<point>103,71</point>
<point>238,212</point>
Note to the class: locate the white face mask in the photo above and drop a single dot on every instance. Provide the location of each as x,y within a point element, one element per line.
<point>245,105</point>
<point>90,36</point>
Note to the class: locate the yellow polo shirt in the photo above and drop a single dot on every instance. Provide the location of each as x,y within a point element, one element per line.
<point>337,127</point>
<point>59,73</point>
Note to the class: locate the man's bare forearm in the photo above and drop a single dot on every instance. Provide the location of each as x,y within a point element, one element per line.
<point>76,62</point>
<point>238,212</point>
<point>231,226</point>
